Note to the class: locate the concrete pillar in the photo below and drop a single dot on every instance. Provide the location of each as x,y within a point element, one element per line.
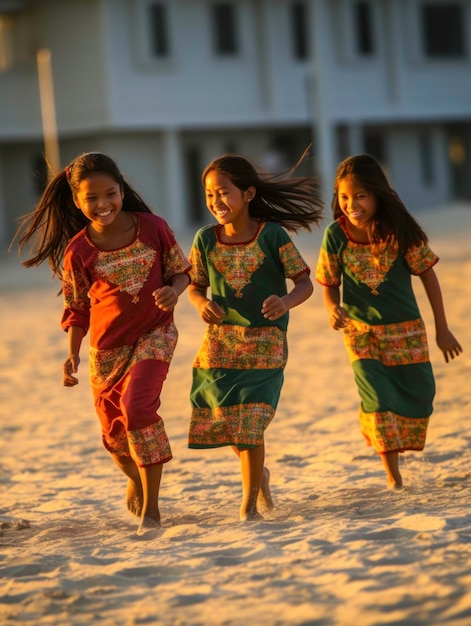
<point>174,179</point>
<point>324,127</point>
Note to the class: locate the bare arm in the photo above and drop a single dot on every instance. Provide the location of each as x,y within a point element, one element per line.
<point>337,314</point>
<point>209,311</point>
<point>445,339</point>
<point>75,335</point>
<point>275,307</point>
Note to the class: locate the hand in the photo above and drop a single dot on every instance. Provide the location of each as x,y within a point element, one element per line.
<point>165,298</point>
<point>273,308</point>
<point>338,317</point>
<point>71,367</point>
<point>211,312</point>
<point>448,345</point>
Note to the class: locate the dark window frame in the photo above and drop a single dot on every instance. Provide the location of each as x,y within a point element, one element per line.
<point>224,28</point>
<point>159,30</point>
<point>299,21</point>
<point>443,30</point>
<point>364,28</point>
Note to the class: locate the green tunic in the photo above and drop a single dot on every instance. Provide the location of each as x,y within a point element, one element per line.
<point>385,335</point>
<point>238,371</point>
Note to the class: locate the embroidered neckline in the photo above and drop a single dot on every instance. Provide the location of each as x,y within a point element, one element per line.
<point>218,228</point>
<point>343,220</point>
<point>137,225</point>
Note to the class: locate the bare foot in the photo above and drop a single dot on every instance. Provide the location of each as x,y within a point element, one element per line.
<point>134,497</point>
<point>148,523</point>
<point>264,500</point>
<point>395,485</point>
<point>252,516</point>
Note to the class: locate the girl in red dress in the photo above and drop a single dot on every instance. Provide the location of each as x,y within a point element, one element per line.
<point>122,273</point>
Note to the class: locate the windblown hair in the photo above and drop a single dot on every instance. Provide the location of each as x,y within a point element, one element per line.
<point>49,228</point>
<point>293,202</point>
<point>392,221</point>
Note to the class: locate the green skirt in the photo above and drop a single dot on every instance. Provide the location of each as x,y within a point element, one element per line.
<point>237,381</point>
<point>395,382</point>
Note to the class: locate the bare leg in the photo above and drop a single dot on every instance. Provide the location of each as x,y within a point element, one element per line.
<point>391,465</point>
<point>264,498</point>
<point>134,495</point>
<point>251,464</point>
<point>150,479</point>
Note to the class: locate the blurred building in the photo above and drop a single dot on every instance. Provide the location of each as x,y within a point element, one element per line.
<point>165,86</point>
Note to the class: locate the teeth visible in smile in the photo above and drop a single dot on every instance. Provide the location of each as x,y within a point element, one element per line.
<point>104,213</point>
<point>355,214</point>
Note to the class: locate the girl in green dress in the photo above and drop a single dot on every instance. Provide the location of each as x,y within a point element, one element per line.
<point>372,248</point>
<point>245,260</point>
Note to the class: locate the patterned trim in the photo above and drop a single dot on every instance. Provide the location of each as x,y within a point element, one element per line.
<point>108,366</point>
<point>128,268</point>
<point>237,263</point>
<point>328,269</point>
<point>238,425</point>
<point>391,344</point>
<point>388,432</point>
<point>293,264</point>
<point>198,274</point>
<point>150,445</point>
<point>75,287</point>
<point>175,262</point>
<point>370,269</point>
<point>146,446</point>
<point>420,259</point>
<point>238,347</point>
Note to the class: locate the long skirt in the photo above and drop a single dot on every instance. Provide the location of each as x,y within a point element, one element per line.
<point>395,382</point>
<point>237,380</point>
<point>127,383</point>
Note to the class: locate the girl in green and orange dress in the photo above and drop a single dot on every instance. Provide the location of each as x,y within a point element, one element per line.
<point>244,260</point>
<point>372,249</point>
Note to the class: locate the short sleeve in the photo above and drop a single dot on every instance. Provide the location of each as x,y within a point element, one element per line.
<point>293,263</point>
<point>174,260</point>
<point>420,259</point>
<point>75,288</point>
<point>329,269</point>
<point>199,272</point>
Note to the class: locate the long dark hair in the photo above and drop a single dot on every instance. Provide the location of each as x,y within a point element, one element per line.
<point>392,220</point>
<point>55,220</point>
<point>293,202</point>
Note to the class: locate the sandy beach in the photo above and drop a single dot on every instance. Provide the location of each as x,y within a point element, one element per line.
<point>338,549</point>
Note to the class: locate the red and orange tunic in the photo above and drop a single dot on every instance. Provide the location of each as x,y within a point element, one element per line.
<point>109,293</point>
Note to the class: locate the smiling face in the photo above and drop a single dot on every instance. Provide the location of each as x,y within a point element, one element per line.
<point>228,203</point>
<point>356,203</point>
<point>100,198</point>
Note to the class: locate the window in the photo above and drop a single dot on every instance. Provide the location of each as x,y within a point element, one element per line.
<point>158,20</point>
<point>299,30</point>
<point>195,195</point>
<point>224,28</point>
<point>342,141</point>
<point>443,35</point>
<point>363,21</point>
<point>375,144</point>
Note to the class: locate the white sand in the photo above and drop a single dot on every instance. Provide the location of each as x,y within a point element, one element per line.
<point>339,549</point>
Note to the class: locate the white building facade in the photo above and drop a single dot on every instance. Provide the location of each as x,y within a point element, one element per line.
<point>165,86</point>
